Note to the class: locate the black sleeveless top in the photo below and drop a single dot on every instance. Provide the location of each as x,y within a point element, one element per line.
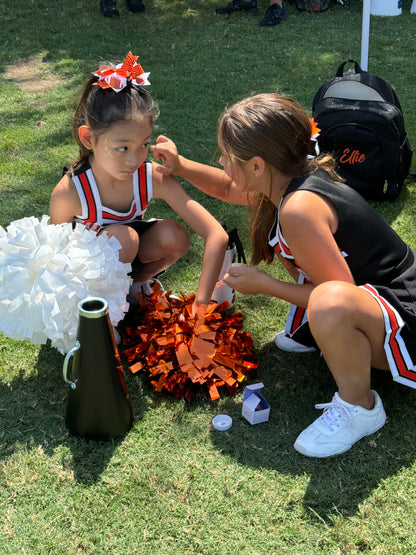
<point>380,262</point>
<point>372,249</point>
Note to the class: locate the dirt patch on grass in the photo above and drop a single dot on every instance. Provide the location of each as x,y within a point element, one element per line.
<point>31,75</point>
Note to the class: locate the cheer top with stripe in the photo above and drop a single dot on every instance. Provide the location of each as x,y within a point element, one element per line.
<point>379,260</point>
<point>94,215</point>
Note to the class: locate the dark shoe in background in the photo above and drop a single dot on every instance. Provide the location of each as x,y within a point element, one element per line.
<point>314,5</point>
<point>108,8</point>
<point>135,6</point>
<point>238,6</point>
<point>274,15</point>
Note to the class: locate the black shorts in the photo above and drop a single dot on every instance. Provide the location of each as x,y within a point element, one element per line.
<point>140,227</point>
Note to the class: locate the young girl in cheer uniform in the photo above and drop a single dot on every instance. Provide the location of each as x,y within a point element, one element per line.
<point>110,186</point>
<point>356,279</point>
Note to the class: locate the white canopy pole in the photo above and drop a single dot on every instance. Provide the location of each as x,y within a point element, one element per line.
<point>365,34</point>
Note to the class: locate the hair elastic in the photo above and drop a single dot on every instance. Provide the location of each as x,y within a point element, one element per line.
<point>314,136</point>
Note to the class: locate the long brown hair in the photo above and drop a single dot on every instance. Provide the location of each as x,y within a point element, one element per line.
<point>277,129</point>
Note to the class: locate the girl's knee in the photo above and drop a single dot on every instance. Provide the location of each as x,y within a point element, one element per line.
<point>128,239</point>
<point>173,237</point>
<point>331,301</point>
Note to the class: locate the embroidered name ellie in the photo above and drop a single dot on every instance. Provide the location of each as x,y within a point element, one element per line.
<point>352,157</point>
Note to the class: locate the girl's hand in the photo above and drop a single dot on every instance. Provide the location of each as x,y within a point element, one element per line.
<point>198,309</point>
<point>166,153</point>
<point>245,279</point>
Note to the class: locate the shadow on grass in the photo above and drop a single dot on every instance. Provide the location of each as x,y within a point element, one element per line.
<point>33,408</point>
<point>337,485</point>
<point>390,211</point>
<point>33,414</point>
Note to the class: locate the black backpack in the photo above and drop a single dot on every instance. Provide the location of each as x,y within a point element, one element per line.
<point>362,125</point>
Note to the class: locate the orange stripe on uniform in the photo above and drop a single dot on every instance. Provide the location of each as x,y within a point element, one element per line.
<point>395,330</point>
<point>144,201</point>
<point>89,197</point>
<point>115,217</point>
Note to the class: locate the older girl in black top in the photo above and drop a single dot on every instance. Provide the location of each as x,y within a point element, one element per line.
<point>355,277</point>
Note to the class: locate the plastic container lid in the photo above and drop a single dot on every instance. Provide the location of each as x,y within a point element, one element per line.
<point>222,422</point>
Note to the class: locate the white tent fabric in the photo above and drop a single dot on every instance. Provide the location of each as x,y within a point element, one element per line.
<point>365,34</point>
<point>370,7</point>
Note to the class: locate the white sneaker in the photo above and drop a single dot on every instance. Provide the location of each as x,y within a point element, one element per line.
<point>290,345</point>
<point>117,336</point>
<point>142,288</point>
<point>339,427</point>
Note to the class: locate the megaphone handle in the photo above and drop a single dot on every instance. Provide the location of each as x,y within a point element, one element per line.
<point>73,384</point>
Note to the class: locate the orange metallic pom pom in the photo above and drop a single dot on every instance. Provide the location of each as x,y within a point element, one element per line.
<point>181,352</point>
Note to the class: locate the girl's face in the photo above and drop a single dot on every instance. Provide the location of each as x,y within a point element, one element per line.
<point>233,168</point>
<point>243,173</point>
<point>122,148</point>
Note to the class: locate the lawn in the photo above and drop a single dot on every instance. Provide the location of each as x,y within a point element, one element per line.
<point>173,484</point>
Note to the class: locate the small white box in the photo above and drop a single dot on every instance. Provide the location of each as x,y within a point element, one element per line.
<point>255,407</point>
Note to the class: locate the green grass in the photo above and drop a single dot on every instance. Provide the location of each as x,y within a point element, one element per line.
<point>173,485</point>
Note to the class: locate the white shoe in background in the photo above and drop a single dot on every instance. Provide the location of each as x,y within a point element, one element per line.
<point>290,345</point>
<point>142,288</point>
<point>117,336</point>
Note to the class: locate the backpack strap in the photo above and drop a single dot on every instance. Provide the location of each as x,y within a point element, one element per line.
<point>357,67</point>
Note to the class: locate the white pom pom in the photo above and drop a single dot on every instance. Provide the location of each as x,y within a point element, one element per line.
<point>45,270</point>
